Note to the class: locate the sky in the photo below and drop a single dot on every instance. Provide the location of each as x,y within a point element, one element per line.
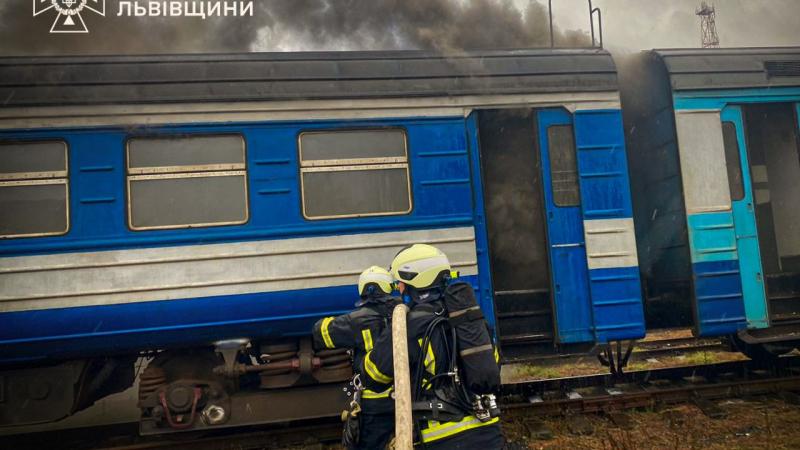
<point>644,24</point>
<point>445,25</point>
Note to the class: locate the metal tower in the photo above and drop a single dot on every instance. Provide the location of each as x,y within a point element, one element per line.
<point>708,27</point>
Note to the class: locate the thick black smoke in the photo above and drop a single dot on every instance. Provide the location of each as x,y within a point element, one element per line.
<point>445,25</point>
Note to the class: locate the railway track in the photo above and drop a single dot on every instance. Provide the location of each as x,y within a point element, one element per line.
<point>659,345</point>
<point>569,396</point>
<point>679,345</point>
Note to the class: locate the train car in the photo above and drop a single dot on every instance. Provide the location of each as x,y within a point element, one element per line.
<point>714,139</point>
<point>203,211</point>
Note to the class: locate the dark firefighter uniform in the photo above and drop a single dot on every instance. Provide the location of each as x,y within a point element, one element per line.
<point>358,330</point>
<point>467,433</point>
<point>421,272</point>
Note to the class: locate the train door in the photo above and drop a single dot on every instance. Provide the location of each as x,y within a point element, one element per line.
<point>614,284</point>
<point>511,176</point>
<point>774,157</point>
<point>718,301</point>
<point>565,236</point>
<point>744,219</point>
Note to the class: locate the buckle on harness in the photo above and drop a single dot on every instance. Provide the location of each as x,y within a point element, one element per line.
<point>437,410</point>
<point>484,407</point>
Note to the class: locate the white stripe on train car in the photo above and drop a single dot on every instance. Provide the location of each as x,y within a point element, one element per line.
<point>610,243</point>
<point>224,112</point>
<point>702,158</point>
<point>164,273</point>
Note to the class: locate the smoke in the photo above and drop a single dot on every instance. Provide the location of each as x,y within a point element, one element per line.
<point>445,25</point>
<point>294,25</point>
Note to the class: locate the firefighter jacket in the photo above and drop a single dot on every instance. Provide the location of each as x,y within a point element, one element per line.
<point>379,370</point>
<point>357,331</point>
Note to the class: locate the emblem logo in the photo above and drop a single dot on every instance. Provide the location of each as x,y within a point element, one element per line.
<point>68,17</point>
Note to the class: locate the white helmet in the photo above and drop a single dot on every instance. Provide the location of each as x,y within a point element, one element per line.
<point>419,265</point>
<point>375,276</point>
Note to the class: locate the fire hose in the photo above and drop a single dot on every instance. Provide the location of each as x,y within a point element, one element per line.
<point>404,439</point>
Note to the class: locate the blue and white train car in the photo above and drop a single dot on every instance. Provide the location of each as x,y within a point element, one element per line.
<point>163,203</point>
<point>714,137</point>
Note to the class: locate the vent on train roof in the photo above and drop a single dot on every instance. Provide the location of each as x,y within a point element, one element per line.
<point>782,68</point>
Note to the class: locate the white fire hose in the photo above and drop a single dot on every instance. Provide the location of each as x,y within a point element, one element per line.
<point>404,430</point>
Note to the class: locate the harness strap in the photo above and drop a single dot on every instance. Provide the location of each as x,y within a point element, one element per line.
<point>436,410</point>
<point>470,314</point>
<point>478,349</point>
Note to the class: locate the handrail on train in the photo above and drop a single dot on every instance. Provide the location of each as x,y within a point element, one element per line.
<point>592,11</point>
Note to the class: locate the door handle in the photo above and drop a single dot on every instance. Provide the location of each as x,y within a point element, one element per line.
<point>550,215</point>
<point>750,206</point>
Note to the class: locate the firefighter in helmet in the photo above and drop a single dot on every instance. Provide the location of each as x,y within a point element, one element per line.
<point>372,425</point>
<point>448,413</point>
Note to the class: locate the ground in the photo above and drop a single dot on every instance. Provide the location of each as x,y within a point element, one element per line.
<point>758,423</point>
<point>588,365</point>
<point>763,423</point>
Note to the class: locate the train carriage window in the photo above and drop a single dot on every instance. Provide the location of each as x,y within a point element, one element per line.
<point>34,189</point>
<point>563,165</point>
<point>733,160</point>
<point>186,181</point>
<point>354,173</point>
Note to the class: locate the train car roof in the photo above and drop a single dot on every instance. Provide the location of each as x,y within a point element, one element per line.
<point>726,68</point>
<point>78,80</point>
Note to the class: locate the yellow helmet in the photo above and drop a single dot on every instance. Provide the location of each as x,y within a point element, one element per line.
<point>377,276</point>
<point>419,265</point>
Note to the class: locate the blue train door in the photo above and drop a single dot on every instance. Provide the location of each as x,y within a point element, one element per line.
<point>614,284</point>
<point>567,248</point>
<point>718,299</point>
<point>744,220</point>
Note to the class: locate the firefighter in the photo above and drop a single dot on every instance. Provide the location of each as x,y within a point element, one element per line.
<point>371,425</point>
<point>447,414</point>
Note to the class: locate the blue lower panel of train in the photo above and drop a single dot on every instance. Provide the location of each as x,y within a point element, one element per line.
<point>719,304</point>
<point>99,330</point>
<point>617,303</point>
<point>718,288</point>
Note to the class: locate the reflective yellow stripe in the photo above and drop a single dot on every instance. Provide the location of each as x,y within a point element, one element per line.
<point>496,355</point>
<point>440,430</point>
<point>326,335</point>
<point>430,358</point>
<point>367,335</point>
<point>373,372</point>
<point>372,394</point>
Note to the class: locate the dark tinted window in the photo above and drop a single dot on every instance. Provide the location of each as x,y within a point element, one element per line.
<point>33,209</point>
<point>186,181</point>
<point>34,191</point>
<point>196,201</point>
<point>354,173</point>
<point>356,192</point>
<point>33,157</point>
<point>355,144</point>
<point>186,151</point>
<point>733,160</point>
<point>563,166</point>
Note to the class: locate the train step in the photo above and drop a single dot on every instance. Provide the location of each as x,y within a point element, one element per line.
<point>517,314</point>
<point>527,338</point>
